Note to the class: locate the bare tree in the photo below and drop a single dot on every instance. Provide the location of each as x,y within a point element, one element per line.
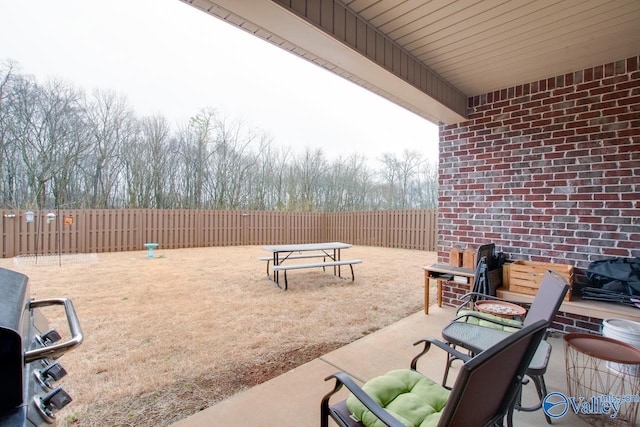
<point>389,174</point>
<point>146,163</point>
<point>111,125</point>
<point>408,167</point>
<point>195,149</point>
<point>357,183</point>
<point>264,182</point>
<point>49,134</point>
<point>305,178</point>
<point>58,147</point>
<point>137,171</point>
<point>232,162</point>
<point>398,174</point>
<point>9,161</point>
<point>427,186</point>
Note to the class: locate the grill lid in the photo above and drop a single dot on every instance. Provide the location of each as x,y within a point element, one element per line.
<point>14,322</point>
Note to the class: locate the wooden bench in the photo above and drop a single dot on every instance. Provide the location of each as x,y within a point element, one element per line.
<point>300,256</point>
<point>285,267</point>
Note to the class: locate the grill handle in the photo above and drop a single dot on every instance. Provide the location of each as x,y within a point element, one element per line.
<point>57,350</point>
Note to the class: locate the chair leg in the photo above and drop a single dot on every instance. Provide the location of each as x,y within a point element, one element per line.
<point>512,407</point>
<point>450,359</point>
<point>541,390</point>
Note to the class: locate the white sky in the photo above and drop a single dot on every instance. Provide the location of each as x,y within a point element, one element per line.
<point>169,58</point>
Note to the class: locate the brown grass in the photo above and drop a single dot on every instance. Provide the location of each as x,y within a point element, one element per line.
<point>169,336</point>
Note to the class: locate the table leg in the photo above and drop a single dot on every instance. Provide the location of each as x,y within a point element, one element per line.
<point>426,292</point>
<point>276,274</point>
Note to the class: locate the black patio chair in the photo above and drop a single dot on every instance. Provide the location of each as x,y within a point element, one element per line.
<point>475,332</point>
<point>485,388</point>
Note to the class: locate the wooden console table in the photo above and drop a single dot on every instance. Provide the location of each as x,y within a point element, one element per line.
<point>443,272</point>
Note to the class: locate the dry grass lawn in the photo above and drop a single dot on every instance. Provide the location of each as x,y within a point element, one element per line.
<point>169,336</point>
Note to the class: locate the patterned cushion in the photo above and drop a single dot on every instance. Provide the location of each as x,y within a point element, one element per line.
<point>477,319</point>
<point>408,395</point>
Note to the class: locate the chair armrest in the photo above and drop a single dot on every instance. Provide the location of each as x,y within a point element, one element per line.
<point>444,346</point>
<point>343,379</point>
<point>486,318</point>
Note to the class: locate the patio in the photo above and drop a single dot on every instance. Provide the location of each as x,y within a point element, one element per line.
<point>294,397</point>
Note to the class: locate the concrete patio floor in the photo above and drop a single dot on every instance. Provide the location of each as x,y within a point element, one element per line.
<point>293,399</point>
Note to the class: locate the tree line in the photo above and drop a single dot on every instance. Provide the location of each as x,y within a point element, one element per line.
<point>63,147</point>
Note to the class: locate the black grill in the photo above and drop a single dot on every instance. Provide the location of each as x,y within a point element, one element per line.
<point>29,369</point>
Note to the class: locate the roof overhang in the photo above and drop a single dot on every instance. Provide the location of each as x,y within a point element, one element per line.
<point>430,56</point>
<point>278,25</point>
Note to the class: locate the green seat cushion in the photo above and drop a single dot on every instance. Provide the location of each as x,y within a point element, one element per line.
<point>408,395</point>
<point>478,317</point>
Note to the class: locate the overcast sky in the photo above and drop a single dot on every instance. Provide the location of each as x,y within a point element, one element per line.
<point>169,58</point>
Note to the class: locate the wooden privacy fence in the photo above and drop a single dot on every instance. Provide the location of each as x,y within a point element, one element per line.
<point>114,230</point>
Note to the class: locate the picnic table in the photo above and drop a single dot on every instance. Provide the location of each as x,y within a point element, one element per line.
<point>329,252</point>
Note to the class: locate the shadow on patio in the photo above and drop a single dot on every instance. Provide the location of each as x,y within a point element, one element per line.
<point>293,399</point>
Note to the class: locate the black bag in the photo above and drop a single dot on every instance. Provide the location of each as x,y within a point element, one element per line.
<point>621,275</point>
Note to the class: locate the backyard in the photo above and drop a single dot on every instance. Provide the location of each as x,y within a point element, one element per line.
<point>169,336</point>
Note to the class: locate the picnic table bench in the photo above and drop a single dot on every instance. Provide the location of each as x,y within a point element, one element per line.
<point>285,267</point>
<point>297,256</point>
<point>329,252</point>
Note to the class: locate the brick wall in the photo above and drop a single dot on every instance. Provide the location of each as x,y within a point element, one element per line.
<point>575,323</point>
<point>548,171</point>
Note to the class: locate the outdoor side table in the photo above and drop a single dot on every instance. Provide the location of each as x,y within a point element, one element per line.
<point>501,309</point>
<point>601,368</point>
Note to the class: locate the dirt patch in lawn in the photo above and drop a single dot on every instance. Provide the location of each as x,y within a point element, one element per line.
<point>169,336</point>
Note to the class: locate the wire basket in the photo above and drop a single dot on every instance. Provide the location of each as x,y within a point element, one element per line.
<point>593,384</point>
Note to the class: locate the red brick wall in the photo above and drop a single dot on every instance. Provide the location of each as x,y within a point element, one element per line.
<point>548,171</point>
<point>565,322</point>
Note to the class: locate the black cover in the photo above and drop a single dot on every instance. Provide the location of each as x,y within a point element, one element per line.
<point>621,275</point>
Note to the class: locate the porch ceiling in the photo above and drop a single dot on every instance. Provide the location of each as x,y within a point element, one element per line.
<point>430,55</point>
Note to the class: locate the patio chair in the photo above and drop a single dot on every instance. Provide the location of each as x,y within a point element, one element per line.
<point>475,332</point>
<point>482,395</point>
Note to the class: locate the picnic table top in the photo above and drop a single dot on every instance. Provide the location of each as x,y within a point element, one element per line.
<point>307,247</point>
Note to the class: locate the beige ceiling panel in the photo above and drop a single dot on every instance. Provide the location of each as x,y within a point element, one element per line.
<point>378,12</point>
<point>522,18</point>
<point>441,29</point>
<point>536,65</point>
<point>397,10</point>
<point>429,14</point>
<point>562,26</point>
<point>359,5</point>
<point>547,40</point>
